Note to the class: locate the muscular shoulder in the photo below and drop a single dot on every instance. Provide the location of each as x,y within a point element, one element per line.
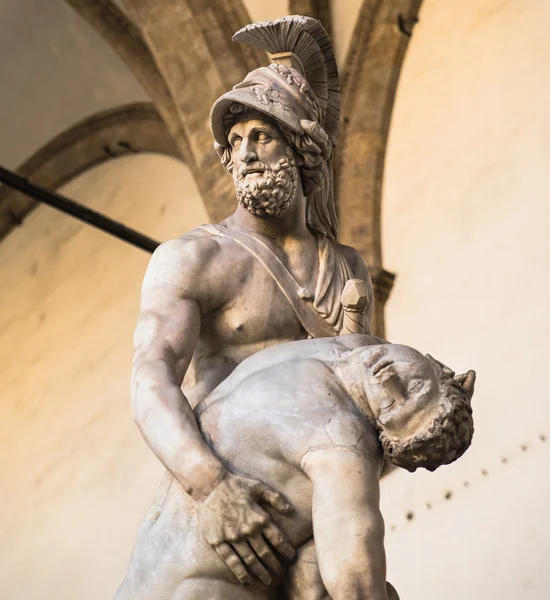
<point>197,264</point>
<point>180,261</point>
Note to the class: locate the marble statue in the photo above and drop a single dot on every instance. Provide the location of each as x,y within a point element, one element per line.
<point>314,419</point>
<point>236,292</point>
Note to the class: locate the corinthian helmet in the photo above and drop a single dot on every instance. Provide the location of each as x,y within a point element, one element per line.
<point>300,91</point>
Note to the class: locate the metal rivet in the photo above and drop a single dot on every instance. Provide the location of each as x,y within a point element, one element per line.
<point>542,437</point>
<point>448,495</point>
<point>410,515</point>
<point>484,472</point>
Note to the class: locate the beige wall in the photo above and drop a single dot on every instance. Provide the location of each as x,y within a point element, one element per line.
<point>344,18</point>
<point>76,476</point>
<point>54,71</point>
<point>261,10</point>
<point>465,226</point>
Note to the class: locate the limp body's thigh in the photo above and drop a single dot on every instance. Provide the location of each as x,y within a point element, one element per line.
<point>170,551</point>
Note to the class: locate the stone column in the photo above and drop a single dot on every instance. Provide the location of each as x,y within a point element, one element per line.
<point>370,80</point>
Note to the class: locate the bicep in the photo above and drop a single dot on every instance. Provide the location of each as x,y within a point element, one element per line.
<point>168,326</point>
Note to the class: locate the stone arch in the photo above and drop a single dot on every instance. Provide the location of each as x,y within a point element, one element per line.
<point>128,129</point>
<point>318,9</point>
<point>370,79</point>
<point>123,36</point>
<point>182,54</point>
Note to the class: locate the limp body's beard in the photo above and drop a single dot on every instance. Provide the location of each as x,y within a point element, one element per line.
<point>271,193</point>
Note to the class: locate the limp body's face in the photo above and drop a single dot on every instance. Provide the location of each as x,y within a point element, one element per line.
<point>402,388</point>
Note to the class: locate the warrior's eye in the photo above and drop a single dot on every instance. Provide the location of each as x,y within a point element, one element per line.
<point>263,137</point>
<point>236,142</point>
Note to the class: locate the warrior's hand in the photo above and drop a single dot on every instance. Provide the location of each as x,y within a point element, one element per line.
<point>242,533</point>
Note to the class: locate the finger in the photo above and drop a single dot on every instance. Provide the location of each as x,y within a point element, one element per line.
<point>265,553</point>
<point>252,562</point>
<point>278,541</point>
<point>277,500</point>
<point>231,559</point>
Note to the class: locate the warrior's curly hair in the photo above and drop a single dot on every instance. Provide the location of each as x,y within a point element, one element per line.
<point>448,436</point>
<point>314,147</point>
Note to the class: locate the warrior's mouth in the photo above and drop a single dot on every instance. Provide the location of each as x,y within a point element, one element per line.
<point>252,171</point>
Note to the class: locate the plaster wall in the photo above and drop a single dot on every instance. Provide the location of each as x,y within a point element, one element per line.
<point>260,10</point>
<point>343,12</point>
<point>54,71</point>
<point>344,19</point>
<point>76,477</point>
<point>465,227</point>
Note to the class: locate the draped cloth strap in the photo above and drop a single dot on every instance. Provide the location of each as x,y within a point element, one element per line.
<point>299,298</point>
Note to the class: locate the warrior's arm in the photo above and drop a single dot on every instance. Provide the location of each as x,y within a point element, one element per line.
<point>347,524</point>
<point>164,341</point>
<point>228,505</point>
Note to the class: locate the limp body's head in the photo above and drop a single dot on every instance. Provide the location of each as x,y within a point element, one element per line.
<point>421,408</point>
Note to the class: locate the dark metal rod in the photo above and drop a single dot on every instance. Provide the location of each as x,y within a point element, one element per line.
<point>78,211</point>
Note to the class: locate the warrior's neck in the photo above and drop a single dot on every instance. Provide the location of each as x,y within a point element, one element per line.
<point>292,224</point>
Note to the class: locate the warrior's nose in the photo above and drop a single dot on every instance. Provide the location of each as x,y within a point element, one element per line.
<point>247,153</point>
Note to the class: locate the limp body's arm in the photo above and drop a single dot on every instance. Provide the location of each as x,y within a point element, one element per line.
<point>347,524</point>
<point>178,288</point>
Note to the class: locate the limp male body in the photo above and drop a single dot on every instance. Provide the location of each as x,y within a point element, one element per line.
<point>313,419</point>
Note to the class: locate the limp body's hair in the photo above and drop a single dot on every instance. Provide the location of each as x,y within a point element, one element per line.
<point>319,218</point>
<point>447,437</point>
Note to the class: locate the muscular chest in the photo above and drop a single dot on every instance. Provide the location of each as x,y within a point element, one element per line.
<point>257,315</point>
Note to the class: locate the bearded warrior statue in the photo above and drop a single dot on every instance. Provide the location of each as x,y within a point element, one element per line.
<point>236,517</point>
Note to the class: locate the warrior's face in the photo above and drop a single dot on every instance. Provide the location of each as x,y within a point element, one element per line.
<point>264,167</point>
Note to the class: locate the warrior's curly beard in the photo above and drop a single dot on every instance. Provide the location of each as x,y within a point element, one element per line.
<point>270,193</point>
